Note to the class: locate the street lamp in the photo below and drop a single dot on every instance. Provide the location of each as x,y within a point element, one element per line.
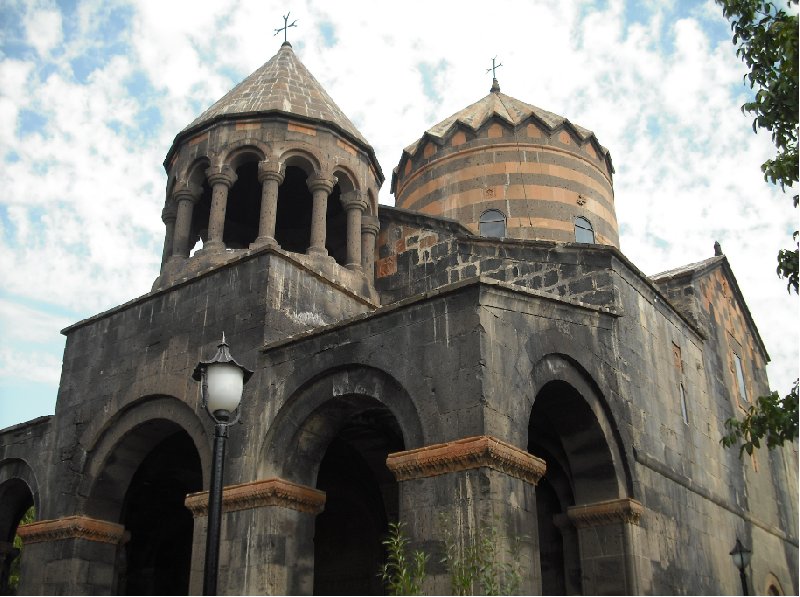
<point>741,559</point>
<point>221,380</point>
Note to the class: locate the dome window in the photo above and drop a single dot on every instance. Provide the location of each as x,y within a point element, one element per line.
<point>493,223</point>
<point>584,233</point>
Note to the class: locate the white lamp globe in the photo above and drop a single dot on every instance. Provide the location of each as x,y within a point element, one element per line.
<point>225,385</point>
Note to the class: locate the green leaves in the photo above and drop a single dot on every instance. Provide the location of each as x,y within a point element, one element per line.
<point>772,419</point>
<point>767,42</point>
<point>401,574</point>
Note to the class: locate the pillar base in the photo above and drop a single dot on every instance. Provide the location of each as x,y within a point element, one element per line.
<point>212,246</point>
<point>317,251</point>
<point>356,267</point>
<point>264,241</point>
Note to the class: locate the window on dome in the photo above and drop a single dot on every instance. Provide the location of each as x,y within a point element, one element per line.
<point>493,223</point>
<point>584,233</point>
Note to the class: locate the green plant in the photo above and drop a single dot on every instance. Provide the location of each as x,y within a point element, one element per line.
<point>479,566</point>
<point>772,418</point>
<point>403,575</point>
<point>14,572</point>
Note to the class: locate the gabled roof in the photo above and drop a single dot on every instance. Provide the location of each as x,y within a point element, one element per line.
<point>703,268</point>
<point>509,109</point>
<point>282,85</point>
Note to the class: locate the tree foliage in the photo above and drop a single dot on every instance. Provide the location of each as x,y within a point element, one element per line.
<point>773,419</point>
<point>766,39</point>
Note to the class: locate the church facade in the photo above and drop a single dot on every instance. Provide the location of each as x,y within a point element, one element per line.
<point>480,359</point>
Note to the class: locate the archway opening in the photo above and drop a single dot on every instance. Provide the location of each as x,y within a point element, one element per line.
<point>336,227</point>
<point>17,507</point>
<point>362,499</point>
<point>243,207</point>
<point>564,431</point>
<point>156,560</point>
<point>293,220</point>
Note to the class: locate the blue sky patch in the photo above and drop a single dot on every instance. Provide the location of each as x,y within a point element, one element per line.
<point>31,122</point>
<point>328,33</point>
<point>429,70</point>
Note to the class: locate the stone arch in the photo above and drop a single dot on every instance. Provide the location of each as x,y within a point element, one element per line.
<point>295,203</point>
<point>335,433</point>
<point>572,428</point>
<point>195,177</point>
<point>599,434</point>
<point>243,207</point>
<point>244,150</point>
<point>19,491</point>
<point>309,418</point>
<point>772,585</point>
<point>372,201</point>
<point>138,473</point>
<point>118,448</point>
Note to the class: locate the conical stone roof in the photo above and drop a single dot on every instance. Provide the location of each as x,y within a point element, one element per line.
<point>282,85</point>
<point>510,109</point>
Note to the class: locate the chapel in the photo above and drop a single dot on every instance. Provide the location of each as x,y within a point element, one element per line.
<point>479,361</point>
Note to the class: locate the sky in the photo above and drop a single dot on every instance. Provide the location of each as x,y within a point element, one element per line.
<point>92,94</point>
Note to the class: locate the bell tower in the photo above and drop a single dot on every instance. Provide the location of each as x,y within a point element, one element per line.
<point>274,164</point>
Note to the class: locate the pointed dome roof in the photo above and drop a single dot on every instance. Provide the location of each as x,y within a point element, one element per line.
<point>510,109</point>
<point>283,85</point>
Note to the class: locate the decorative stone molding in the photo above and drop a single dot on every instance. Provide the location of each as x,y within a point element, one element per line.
<point>465,454</point>
<point>221,175</point>
<point>625,510</point>
<point>319,182</point>
<point>353,200</point>
<point>169,214</point>
<point>185,191</point>
<point>370,224</point>
<point>73,527</point>
<point>271,170</point>
<point>258,494</point>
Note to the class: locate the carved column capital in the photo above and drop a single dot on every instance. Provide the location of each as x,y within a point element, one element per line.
<point>465,454</point>
<point>271,170</point>
<point>353,200</point>
<point>320,182</point>
<point>72,527</point>
<point>258,494</point>
<point>185,191</point>
<point>370,224</point>
<point>221,175</point>
<point>608,512</point>
<point>169,213</point>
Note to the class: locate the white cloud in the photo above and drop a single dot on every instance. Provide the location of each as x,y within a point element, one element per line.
<point>82,226</point>
<point>43,29</point>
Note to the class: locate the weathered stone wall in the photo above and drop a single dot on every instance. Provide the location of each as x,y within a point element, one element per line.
<point>418,254</point>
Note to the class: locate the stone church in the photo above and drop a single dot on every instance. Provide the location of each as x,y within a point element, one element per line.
<point>479,358</point>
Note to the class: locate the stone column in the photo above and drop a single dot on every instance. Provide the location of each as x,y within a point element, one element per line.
<point>320,187</point>
<point>273,518</point>
<point>221,180</point>
<point>56,553</point>
<point>454,494</point>
<point>185,197</point>
<point>608,544</point>
<point>168,215</point>
<point>370,225</point>
<point>354,205</point>
<point>270,175</point>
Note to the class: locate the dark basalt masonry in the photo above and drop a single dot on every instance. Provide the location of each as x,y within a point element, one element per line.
<point>410,365</point>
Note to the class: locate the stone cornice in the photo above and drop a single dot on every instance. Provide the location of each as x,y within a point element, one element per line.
<point>609,512</point>
<point>72,527</point>
<point>465,454</point>
<point>258,494</point>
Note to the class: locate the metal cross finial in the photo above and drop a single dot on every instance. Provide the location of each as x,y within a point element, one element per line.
<point>494,68</point>
<point>286,26</point>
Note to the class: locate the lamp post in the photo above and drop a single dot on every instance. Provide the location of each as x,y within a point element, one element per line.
<point>741,559</point>
<point>221,380</point>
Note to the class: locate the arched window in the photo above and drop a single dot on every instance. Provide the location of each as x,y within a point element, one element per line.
<point>584,233</point>
<point>493,223</point>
